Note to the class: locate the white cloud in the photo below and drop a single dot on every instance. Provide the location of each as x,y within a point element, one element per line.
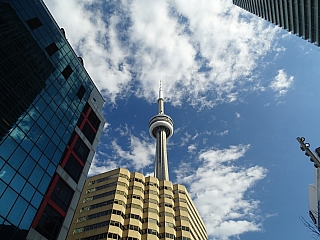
<point>222,133</point>
<point>281,82</point>
<point>192,148</point>
<point>99,165</point>
<point>238,115</point>
<point>200,51</point>
<point>231,213</point>
<point>140,154</point>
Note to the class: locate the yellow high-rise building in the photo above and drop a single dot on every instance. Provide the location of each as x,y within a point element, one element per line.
<point>129,206</point>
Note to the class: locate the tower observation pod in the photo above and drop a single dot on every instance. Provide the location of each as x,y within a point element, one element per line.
<point>161,128</point>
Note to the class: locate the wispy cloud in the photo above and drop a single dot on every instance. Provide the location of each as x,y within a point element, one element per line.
<point>231,213</point>
<point>203,52</point>
<point>138,155</point>
<point>281,83</point>
<point>192,148</point>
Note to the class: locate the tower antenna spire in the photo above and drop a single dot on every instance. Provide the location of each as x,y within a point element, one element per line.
<point>160,129</point>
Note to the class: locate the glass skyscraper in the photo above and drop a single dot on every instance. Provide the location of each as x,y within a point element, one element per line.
<point>50,123</point>
<point>299,17</point>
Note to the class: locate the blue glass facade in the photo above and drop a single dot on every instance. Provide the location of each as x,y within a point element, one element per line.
<point>43,91</point>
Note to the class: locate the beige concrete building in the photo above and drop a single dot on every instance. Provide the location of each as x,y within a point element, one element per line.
<point>129,206</point>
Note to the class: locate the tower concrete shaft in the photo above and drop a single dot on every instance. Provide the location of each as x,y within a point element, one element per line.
<point>161,128</point>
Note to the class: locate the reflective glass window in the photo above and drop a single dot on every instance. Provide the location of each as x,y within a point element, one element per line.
<point>47,114</point>
<point>36,200</point>
<point>67,72</point>
<point>50,149</point>
<point>73,168</point>
<point>1,162</point>
<point>51,49</point>
<point>81,149</point>
<point>27,167</point>
<point>66,136</point>
<point>81,92</point>
<point>43,161</point>
<point>55,120</point>
<point>42,122</point>
<point>27,218</point>
<point>36,176</point>
<point>26,144</point>
<point>88,132</point>
<point>61,129</point>
<point>17,134</point>
<point>17,158</point>
<point>34,133</point>
<point>28,191</point>
<point>57,156</point>
<point>44,183</point>
<point>2,186</point>
<point>7,147</point>
<point>94,120</point>
<point>6,201</point>
<point>34,23</point>
<point>50,223</point>
<point>27,122</point>
<point>51,169</point>
<point>35,153</point>
<point>6,173</point>
<point>42,141</point>
<point>49,131</point>
<point>17,182</point>
<point>41,105</point>
<point>62,195</point>
<point>17,211</point>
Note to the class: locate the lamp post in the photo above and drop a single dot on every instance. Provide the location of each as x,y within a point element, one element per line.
<point>305,147</point>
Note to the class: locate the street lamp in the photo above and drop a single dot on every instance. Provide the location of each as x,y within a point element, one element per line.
<point>305,147</point>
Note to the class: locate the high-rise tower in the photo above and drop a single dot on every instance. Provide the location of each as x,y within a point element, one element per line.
<point>298,17</point>
<point>129,206</point>
<point>161,128</point>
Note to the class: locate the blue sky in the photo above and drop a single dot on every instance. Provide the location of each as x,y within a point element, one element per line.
<point>239,90</point>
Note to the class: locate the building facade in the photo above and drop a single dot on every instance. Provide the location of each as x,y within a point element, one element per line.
<point>129,206</point>
<point>50,123</point>
<point>300,17</point>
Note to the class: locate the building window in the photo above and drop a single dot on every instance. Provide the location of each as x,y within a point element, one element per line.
<point>94,120</point>
<point>51,49</point>
<point>73,168</point>
<point>103,236</point>
<point>151,220</point>
<point>134,216</point>
<point>150,231</point>
<point>81,149</point>
<point>133,227</point>
<point>62,195</point>
<point>50,223</point>
<point>167,235</point>
<point>88,132</point>
<point>67,72</point>
<point>81,92</point>
<point>34,23</point>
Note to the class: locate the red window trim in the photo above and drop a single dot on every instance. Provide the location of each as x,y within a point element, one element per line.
<point>46,200</point>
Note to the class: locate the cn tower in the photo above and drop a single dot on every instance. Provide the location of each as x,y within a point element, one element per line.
<point>161,128</point>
